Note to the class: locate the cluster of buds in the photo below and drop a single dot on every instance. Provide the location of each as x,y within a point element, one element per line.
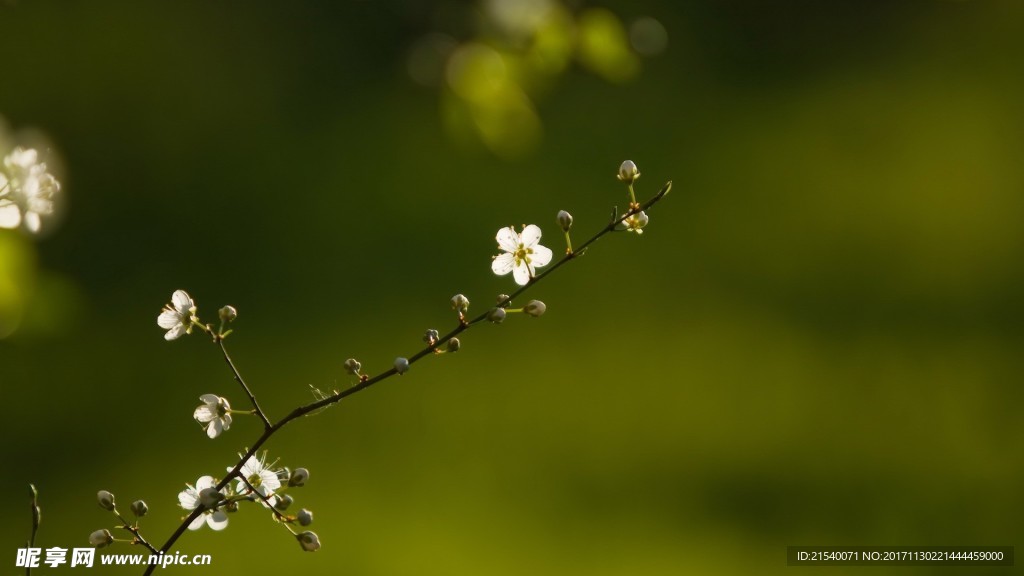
<point>106,501</point>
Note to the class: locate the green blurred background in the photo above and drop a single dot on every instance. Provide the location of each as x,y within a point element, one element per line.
<point>816,341</point>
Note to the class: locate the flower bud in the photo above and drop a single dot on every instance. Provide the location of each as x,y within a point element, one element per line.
<point>628,172</point>
<point>564,220</point>
<point>503,301</point>
<point>305,517</point>
<point>299,477</point>
<point>284,474</point>
<point>534,308</point>
<point>309,541</point>
<point>430,336</point>
<point>401,365</point>
<point>496,315</point>
<point>283,502</point>
<point>227,314</point>
<point>209,497</point>
<point>352,366</point>
<point>101,538</point>
<point>454,345</point>
<point>460,303</point>
<point>139,508</point>
<point>105,500</point>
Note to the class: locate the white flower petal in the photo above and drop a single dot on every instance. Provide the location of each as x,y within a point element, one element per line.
<point>204,414</point>
<point>218,520</point>
<point>205,482</point>
<point>269,480</point>
<point>521,273</point>
<point>507,239</point>
<point>215,428</point>
<point>188,498</point>
<point>251,466</point>
<point>541,255</point>
<point>182,301</point>
<point>530,236</point>
<point>198,522</point>
<point>209,399</point>
<point>174,333</point>
<point>226,421</point>
<point>10,216</point>
<point>168,319</point>
<point>503,264</point>
<point>32,222</point>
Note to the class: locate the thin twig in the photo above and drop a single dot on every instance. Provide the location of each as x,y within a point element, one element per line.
<point>238,378</point>
<point>36,519</point>
<point>134,530</point>
<point>301,411</point>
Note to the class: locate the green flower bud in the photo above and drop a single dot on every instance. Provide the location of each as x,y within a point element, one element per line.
<point>299,477</point>
<point>628,172</point>
<point>401,365</point>
<point>309,541</point>
<point>101,538</point>
<point>460,303</point>
<point>534,308</point>
<point>283,502</point>
<point>284,474</point>
<point>305,517</point>
<point>210,497</point>
<point>105,500</point>
<point>352,366</point>
<point>227,314</point>
<point>564,220</point>
<point>139,508</point>
<point>454,345</point>
<point>496,315</point>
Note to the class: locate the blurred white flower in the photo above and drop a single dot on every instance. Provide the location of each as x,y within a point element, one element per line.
<point>259,475</point>
<point>189,499</point>
<point>27,190</point>
<point>523,253</point>
<point>177,317</point>
<point>214,414</point>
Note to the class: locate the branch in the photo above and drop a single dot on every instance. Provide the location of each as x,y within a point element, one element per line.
<point>36,519</point>
<point>238,377</point>
<point>363,384</point>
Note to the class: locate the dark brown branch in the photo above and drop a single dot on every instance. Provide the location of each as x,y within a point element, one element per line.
<point>363,384</point>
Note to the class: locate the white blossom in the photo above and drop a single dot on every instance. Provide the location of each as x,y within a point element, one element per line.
<point>178,316</point>
<point>27,190</point>
<point>190,499</point>
<point>258,474</point>
<point>523,253</point>
<point>214,414</point>
<point>634,223</point>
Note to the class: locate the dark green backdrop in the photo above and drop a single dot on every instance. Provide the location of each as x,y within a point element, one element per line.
<point>816,341</point>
